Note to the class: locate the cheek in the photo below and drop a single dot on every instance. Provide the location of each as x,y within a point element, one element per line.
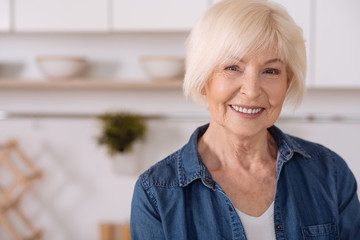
<point>279,89</point>
<point>218,90</point>
<point>277,94</point>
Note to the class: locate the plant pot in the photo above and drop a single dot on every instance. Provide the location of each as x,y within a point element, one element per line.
<point>128,163</point>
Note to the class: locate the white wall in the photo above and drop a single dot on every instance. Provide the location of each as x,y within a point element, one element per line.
<point>82,186</point>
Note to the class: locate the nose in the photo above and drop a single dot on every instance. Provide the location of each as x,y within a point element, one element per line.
<point>251,85</point>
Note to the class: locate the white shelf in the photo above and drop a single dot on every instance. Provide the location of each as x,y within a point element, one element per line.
<point>90,84</point>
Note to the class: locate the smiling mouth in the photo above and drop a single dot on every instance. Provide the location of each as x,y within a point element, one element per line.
<point>246,110</point>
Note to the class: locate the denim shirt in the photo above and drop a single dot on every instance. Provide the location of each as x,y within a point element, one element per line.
<point>315,197</point>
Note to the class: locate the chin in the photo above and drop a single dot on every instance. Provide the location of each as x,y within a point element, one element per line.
<point>246,130</point>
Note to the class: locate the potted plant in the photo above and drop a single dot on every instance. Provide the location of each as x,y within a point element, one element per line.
<point>120,131</point>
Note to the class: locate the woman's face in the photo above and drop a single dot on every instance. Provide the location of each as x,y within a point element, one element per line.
<point>245,96</point>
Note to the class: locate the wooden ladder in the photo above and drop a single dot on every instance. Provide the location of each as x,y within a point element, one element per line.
<point>11,195</point>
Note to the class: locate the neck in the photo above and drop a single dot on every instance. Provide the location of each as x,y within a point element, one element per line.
<point>222,150</point>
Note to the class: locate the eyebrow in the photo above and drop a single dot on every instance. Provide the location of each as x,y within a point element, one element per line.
<point>274,60</point>
<point>267,62</point>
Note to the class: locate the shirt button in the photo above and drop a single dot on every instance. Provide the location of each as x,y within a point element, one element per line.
<point>207,181</point>
<point>278,227</point>
<point>287,153</point>
<point>231,208</point>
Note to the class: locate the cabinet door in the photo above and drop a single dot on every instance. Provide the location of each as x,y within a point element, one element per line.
<point>156,15</point>
<point>61,15</point>
<point>4,15</point>
<point>337,43</point>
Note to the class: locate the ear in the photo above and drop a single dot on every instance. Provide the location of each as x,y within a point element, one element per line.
<point>289,79</point>
<point>203,91</point>
<point>290,76</point>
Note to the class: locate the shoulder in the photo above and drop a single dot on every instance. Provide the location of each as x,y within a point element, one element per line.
<point>177,169</point>
<point>163,174</point>
<point>312,148</point>
<point>322,165</point>
<point>309,150</point>
<point>318,152</point>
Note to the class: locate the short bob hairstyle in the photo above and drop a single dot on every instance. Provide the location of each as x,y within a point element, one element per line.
<point>238,28</point>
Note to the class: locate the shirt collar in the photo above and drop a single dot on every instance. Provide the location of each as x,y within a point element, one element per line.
<point>191,166</point>
<point>286,144</point>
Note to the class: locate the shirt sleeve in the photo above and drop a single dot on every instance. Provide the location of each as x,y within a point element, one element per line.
<point>145,222</point>
<point>349,206</point>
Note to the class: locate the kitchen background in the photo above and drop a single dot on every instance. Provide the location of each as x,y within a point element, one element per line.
<point>54,124</point>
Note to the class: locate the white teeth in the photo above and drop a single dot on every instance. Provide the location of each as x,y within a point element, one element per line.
<point>245,110</point>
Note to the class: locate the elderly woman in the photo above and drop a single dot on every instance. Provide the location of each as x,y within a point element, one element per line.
<point>240,177</point>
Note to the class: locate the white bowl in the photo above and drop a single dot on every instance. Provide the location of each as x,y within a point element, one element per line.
<point>61,67</point>
<point>163,68</point>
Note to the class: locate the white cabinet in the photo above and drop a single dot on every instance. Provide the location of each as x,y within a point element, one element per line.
<point>337,49</point>
<point>4,15</point>
<point>215,1</point>
<point>61,15</point>
<point>156,15</point>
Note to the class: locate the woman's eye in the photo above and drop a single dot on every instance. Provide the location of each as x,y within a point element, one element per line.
<point>272,71</point>
<point>232,68</point>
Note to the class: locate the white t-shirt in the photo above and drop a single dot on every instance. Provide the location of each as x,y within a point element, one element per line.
<point>259,228</point>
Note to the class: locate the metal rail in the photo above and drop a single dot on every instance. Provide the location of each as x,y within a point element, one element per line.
<point>347,118</point>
